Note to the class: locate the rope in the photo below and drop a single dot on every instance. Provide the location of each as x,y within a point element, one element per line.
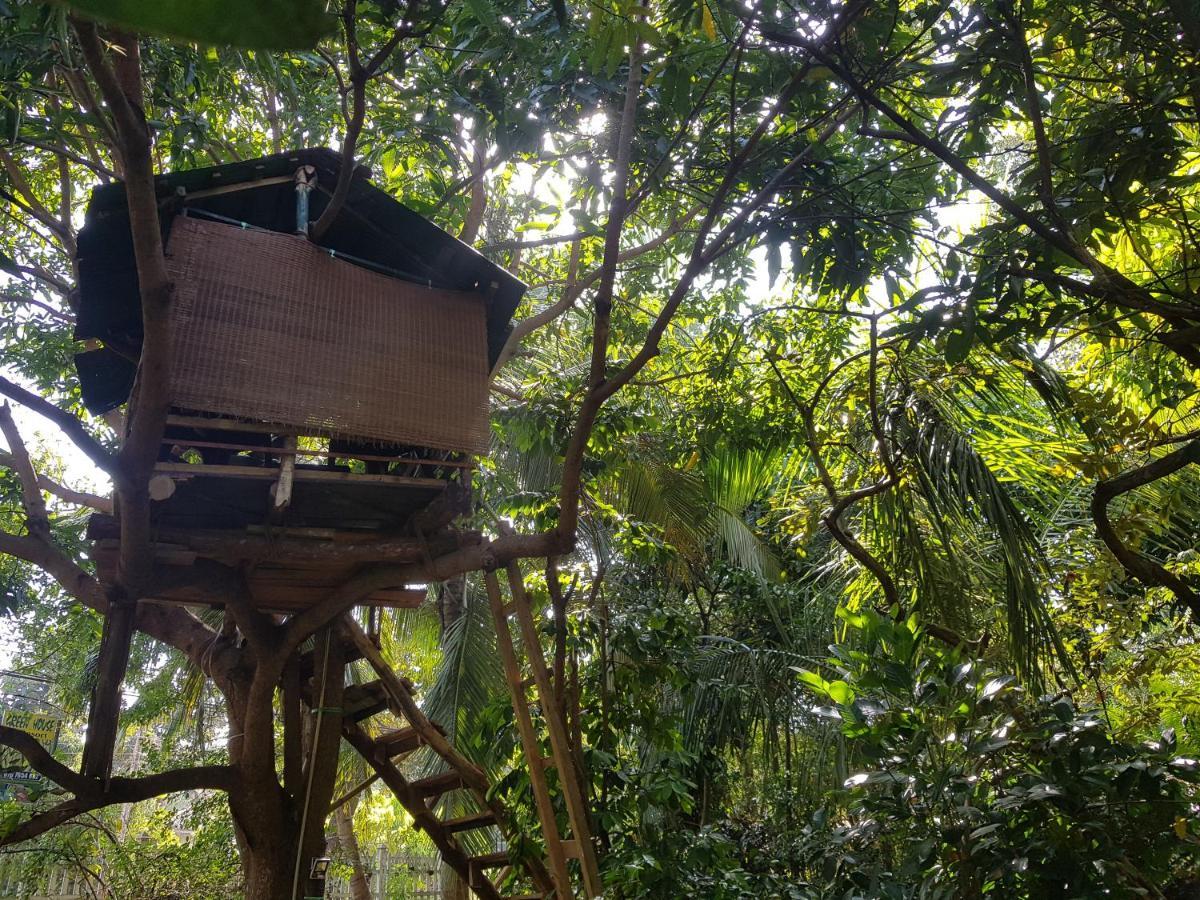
<point>312,762</point>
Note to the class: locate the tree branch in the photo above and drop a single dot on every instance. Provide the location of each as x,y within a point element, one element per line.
<point>360,74</point>
<point>1120,288</point>
<point>66,494</point>
<point>95,793</point>
<point>150,400</point>
<point>70,577</point>
<point>60,229</point>
<point>602,305</point>
<point>36,518</point>
<point>1139,565</point>
<point>576,286</point>
<point>67,423</point>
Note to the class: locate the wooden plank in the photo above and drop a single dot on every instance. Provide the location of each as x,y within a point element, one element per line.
<point>265,473</point>
<point>361,701</point>
<point>313,452</point>
<point>208,424</point>
<point>287,599</point>
<point>237,187</point>
<point>491,860</point>
<point>217,424</point>
<point>560,744</point>
<point>436,785</point>
<point>282,496</point>
<point>403,740</point>
<point>483,819</point>
<point>529,741</point>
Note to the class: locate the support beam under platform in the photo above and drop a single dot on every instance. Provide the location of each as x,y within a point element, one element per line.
<point>105,711</point>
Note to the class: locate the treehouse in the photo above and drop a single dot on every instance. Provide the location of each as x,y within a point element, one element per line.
<point>327,399</point>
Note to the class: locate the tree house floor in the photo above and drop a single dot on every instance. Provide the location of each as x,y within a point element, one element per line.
<point>285,588</point>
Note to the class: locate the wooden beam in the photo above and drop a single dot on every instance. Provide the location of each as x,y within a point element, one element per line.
<point>306,451</point>
<point>317,547</point>
<point>529,741</point>
<point>105,712</point>
<point>264,473</point>
<point>281,496</point>
<point>560,742</point>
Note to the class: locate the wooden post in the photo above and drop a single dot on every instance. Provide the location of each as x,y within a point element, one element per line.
<point>529,741</point>
<point>104,715</point>
<point>282,489</point>
<point>329,686</point>
<point>293,728</point>
<point>560,742</point>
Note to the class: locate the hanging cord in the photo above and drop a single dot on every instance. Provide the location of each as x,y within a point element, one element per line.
<point>312,760</point>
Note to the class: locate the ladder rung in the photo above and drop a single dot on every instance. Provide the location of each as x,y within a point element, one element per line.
<point>491,860</point>
<point>547,762</point>
<point>404,740</point>
<point>571,849</point>
<point>527,683</point>
<point>466,823</point>
<point>509,608</point>
<point>438,784</point>
<point>361,701</point>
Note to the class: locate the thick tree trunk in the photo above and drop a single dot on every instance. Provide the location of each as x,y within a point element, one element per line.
<point>344,817</point>
<point>280,831</point>
<point>270,868</point>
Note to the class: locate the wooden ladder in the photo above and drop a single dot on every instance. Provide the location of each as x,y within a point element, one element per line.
<point>418,797</point>
<point>559,849</point>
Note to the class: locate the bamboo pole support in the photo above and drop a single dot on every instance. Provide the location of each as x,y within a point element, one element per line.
<point>529,742</point>
<point>560,743</point>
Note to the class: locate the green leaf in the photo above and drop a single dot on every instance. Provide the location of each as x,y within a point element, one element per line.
<point>996,686</point>
<point>958,345</point>
<point>814,681</point>
<point>262,24</point>
<point>841,692</point>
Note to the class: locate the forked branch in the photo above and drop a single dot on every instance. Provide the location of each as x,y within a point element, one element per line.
<point>96,793</point>
<point>1139,565</point>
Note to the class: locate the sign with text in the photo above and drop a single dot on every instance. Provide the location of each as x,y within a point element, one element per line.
<point>17,780</point>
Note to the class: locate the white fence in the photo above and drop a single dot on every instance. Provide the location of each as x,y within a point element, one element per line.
<point>391,876</point>
<point>54,883</point>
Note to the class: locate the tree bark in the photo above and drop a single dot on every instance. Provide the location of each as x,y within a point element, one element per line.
<point>348,843</point>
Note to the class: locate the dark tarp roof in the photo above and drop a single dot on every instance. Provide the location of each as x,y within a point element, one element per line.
<point>372,226</point>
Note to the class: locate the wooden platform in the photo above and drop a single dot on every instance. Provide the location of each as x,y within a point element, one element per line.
<point>285,588</point>
<point>243,495</point>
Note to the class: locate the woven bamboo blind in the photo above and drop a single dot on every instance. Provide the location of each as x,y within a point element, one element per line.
<point>270,328</point>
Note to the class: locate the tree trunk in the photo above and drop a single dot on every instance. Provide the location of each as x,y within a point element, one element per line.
<point>277,836</point>
<point>344,817</point>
